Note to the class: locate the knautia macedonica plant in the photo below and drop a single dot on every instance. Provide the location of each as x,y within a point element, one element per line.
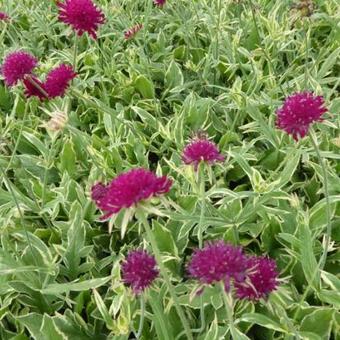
<point>201,150</point>
<point>58,80</point>
<point>16,66</point>
<point>296,116</point>
<point>82,15</point>
<point>139,270</point>
<point>231,234</point>
<point>298,112</point>
<point>133,189</point>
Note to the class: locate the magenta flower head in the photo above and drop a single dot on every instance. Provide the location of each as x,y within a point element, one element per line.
<point>218,261</point>
<point>262,279</point>
<point>16,66</point>
<point>298,112</point>
<point>82,15</point>
<point>201,150</point>
<point>128,189</point>
<point>58,80</point>
<point>3,16</point>
<point>139,270</point>
<point>131,32</point>
<point>34,88</point>
<point>159,3</point>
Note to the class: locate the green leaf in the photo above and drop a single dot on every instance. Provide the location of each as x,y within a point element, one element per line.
<point>173,76</point>
<point>328,63</point>
<point>307,257</point>
<point>160,320</point>
<point>262,320</point>
<point>68,159</point>
<point>318,322</point>
<point>103,310</point>
<point>145,87</point>
<point>60,288</point>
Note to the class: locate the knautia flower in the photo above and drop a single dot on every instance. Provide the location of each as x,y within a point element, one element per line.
<point>201,150</point>
<point>3,16</point>
<point>262,279</point>
<point>34,88</point>
<point>128,189</point>
<point>298,112</point>
<point>58,80</point>
<point>131,32</point>
<point>159,3</point>
<point>218,261</point>
<point>16,66</point>
<point>139,270</point>
<point>82,15</point>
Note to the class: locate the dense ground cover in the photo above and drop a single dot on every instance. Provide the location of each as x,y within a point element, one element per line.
<point>190,70</point>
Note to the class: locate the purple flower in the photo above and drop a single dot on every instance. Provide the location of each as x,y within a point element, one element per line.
<point>82,15</point>
<point>128,189</point>
<point>16,66</point>
<point>58,80</point>
<point>131,32</point>
<point>139,270</point>
<point>261,279</point>
<point>3,16</point>
<point>298,112</point>
<point>200,150</point>
<point>159,3</point>
<point>34,88</point>
<point>218,261</point>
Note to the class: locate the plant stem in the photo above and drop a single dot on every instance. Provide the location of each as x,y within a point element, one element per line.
<point>228,303</point>
<point>201,183</point>
<point>327,236</point>
<point>75,52</point>
<point>142,218</point>
<point>142,315</point>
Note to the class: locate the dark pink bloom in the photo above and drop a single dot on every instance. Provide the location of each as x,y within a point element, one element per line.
<point>34,88</point>
<point>298,112</point>
<point>131,32</point>
<point>218,261</point>
<point>201,150</point>
<point>139,270</point>
<point>159,3</point>
<point>82,15</point>
<point>128,189</point>
<point>16,66</point>
<point>262,278</point>
<point>58,80</point>
<point>3,16</point>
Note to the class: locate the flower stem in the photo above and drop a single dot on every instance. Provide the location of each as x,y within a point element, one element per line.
<point>201,183</point>
<point>229,307</point>
<point>163,270</point>
<point>75,52</point>
<point>142,315</point>
<point>327,235</point>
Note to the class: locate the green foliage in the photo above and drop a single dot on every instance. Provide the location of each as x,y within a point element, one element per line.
<point>195,65</point>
